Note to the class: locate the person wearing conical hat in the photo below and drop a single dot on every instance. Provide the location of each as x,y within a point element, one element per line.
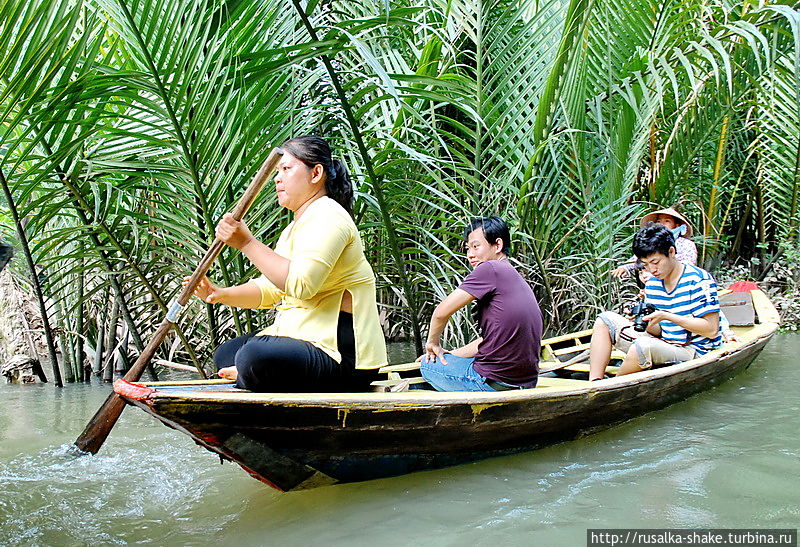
<point>685,249</point>
<point>685,252</point>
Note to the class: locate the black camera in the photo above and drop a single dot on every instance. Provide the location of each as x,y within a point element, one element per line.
<point>638,310</point>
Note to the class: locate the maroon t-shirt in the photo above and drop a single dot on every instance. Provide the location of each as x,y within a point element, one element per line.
<point>510,323</point>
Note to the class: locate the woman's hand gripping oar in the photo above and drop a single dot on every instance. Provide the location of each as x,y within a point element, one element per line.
<point>99,427</point>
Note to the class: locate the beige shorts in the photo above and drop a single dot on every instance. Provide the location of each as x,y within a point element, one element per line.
<point>651,350</point>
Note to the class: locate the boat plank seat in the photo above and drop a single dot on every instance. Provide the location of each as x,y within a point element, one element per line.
<point>553,348</point>
<point>554,382</point>
<point>391,382</point>
<point>402,367</point>
<point>393,376</point>
<point>567,337</point>
<point>571,349</point>
<point>584,367</point>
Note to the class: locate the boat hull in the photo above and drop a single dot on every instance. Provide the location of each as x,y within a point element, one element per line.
<point>292,441</point>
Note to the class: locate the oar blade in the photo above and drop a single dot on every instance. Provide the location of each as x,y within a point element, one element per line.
<point>99,427</point>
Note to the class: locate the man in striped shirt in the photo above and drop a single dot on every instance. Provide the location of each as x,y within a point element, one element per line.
<point>685,323</point>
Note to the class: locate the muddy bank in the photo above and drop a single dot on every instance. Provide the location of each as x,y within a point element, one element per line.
<point>21,333</point>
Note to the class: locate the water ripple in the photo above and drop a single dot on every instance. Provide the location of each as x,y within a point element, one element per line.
<point>725,458</point>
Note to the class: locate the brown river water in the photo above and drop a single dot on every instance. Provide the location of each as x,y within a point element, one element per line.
<point>727,458</point>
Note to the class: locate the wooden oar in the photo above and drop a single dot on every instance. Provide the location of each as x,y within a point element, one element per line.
<point>103,421</point>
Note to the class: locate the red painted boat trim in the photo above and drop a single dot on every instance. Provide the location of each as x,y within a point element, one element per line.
<point>743,286</point>
<point>133,391</point>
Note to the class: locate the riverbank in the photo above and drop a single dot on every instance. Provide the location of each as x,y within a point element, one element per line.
<point>22,338</point>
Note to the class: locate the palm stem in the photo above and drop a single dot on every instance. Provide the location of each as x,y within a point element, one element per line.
<point>86,215</point>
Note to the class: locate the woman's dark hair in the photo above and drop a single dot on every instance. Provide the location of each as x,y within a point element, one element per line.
<point>312,151</point>
<point>493,228</point>
<point>653,238</point>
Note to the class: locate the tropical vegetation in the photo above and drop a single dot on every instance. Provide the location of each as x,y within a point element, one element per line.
<point>128,127</point>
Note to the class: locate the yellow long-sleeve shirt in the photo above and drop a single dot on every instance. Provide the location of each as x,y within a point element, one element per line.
<point>327,258</point>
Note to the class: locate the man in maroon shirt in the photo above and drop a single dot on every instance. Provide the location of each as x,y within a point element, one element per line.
<point>506,356</point>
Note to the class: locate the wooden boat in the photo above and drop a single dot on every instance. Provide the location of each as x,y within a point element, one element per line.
<point>296,441</point>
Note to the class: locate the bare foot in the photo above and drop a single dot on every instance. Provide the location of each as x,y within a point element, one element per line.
<point>229,373</point>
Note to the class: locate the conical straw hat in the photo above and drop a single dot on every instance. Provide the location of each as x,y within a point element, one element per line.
<point>651,217</point>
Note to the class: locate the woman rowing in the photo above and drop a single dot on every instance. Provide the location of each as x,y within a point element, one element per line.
<point>327,327</point>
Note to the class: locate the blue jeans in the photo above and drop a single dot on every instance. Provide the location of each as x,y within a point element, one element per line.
<point>456,375</point>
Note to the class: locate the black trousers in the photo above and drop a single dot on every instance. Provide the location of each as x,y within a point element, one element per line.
<point>283,364</point>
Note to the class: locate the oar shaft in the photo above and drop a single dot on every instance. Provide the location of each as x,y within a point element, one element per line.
<point>99,427</point>
<point>238,213</point>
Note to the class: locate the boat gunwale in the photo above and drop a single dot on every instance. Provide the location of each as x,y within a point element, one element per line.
<point>426,399</point>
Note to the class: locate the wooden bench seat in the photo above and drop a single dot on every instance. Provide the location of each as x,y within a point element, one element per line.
<point>394,377</point>
<point>402,367</point>
<point>550,382</point>
<point>394,381</point>
<point>570,349</point>
<point>584,367</point>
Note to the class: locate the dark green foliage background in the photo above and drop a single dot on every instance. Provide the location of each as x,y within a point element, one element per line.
<point>127,128</point>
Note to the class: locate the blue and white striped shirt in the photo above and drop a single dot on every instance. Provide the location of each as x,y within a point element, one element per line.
<point>695,295</point>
